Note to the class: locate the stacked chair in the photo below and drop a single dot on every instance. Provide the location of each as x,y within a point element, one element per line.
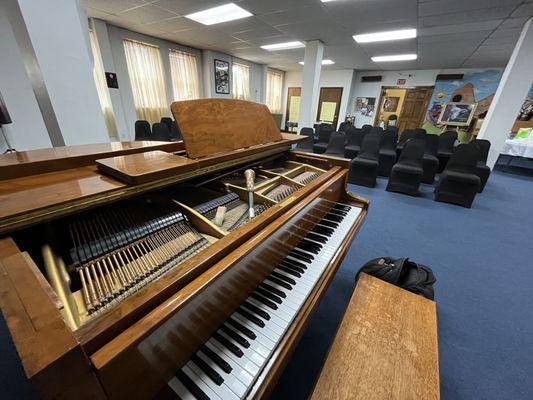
<point>336,144</point>
<point>364,167</point>
<point>430,161</point>
<point>405,136</point>
<point>387,152</point>
<point>160,132</point>
<point>306,145</point>
<point>445,150</point>
<point>407,173</point>
<point>142,130</point>
<point>376,129</point>
<point>354,139</point>
<point>324,133</point>
<point>458,183</point>
<point>482,170</point>
<point>168,122</point>
<point>420,133</point>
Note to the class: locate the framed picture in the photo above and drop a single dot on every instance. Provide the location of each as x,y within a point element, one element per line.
<point>221,77</point>
<point>391,104</point>
<point>458,114</point>
<point>365,105</point>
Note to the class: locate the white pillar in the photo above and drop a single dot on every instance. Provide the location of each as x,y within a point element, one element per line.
<point>310,83</point>
<point>512,91</point>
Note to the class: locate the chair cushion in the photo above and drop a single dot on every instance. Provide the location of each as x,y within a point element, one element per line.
<point>408,169</point>
<point>320,145</point>
<point>387,152</point>
<point>460,177</point>
<point>353,147</point>
<point>364,161</point>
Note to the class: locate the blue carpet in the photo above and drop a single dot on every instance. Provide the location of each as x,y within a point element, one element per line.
<point>482,258</point>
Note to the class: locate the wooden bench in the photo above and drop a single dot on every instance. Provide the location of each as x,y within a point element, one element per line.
<point>386,347</point>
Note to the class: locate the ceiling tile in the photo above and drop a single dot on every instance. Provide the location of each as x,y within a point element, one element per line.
<point>146,14</point>
<point>525,10</point>
<point>113,6</point>
<point>465,17</point>
<point>438,7</point>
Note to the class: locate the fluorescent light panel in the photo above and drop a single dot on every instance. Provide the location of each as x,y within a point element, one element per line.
<point>385,36</point>
<point>324,62</point>
<point>283,46</point>
<point>397,57</point>
<point>217,15</point>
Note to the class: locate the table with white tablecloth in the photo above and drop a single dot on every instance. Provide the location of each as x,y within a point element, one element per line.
<point>519,147</point>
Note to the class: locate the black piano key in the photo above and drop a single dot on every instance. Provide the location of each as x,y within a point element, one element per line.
<point>342,207</point>
<point>241,328</point>
<point>191,386</point>
<point>308,242</point>
<point>338,212</point>
<point>265,301</point>
<point>331,224</point>
<point>263,290</point>
<point>309,249</point>
<point>224,366</point>
<point>273,290</point>
<point>294,262</point>
<point>251,317</point>
<point>235,336</point>
<point>210,372</point>
<point>289,271</point>
<point>292,267</point>
<point>280,282</point>
<point>283,278</point>
<point>263,314</point>
<point>228,345</point>
<point>323,230</point>
<point>333,217</point>
<point>316,237</point>
<point>301,256</point>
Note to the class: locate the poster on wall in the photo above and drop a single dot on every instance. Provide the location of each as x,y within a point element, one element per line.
<point>391,104</point>
<point>365,106</point>
<point>221,77</point>
<point>457,114</point>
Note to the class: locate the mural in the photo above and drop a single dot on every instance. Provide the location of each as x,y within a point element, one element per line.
<point>526,111</point>
<point>475,87</point>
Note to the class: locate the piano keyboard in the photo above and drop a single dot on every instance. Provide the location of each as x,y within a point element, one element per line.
<point>227,365</point>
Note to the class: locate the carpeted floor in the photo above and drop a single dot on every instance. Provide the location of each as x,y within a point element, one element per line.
<point>483,260</point>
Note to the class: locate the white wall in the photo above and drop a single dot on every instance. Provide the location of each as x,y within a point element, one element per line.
<point>328,78</point>
<point>28,131</point>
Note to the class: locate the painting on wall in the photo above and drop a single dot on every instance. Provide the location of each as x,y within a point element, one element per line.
<point>526,111</point>
<point>221,77</point>
<point>391,104</point>
<point>457,114</point>
<point>365,106</point>
<point>476,87</point>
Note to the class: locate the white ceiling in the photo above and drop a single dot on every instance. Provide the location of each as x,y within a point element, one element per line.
<point>451,33</point>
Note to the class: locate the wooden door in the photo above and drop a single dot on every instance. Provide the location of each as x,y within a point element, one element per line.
<point>292,113</point>
<point>414,108</point>
<point>329,104</point>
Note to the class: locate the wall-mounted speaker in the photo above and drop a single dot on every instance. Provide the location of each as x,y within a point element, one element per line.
<point>4,115</point>
<point>376,78</point>
<point>450,77</point>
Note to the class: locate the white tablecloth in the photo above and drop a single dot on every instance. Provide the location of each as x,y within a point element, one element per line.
<point>519,147</point>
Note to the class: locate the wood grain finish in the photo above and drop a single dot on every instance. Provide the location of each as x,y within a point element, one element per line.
<point>211,126</point>
<point>26,163</point>
<point>386,347</point>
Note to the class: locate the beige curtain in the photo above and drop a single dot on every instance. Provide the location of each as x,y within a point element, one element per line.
<point>241,81</point>
<point>101,87</point>
<point>274,88</point>
<point>147,78</point>
<point>184,71</point>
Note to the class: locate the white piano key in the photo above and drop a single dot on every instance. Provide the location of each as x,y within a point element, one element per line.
<point>282,310</point>
<point>275,315</point>
<point>205,383</point>
<point>180,390</point>
<point>231,381</point>
<point>241,362</point>
<point>255,347</point>
<point>264,336</point>
<point>239,371</point>
<point>269,325</point>
<point>193,376</point>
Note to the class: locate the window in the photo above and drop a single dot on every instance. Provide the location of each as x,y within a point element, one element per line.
<point>101,87</point>
<point>184,71</point>
<point>241,81</point>
<point>274,88</point>
<point>147,80</point>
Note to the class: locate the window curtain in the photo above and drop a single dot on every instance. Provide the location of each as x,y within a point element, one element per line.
<point>184,71</point>
<point>101,87</point>
<point>241,81</point>
<point>147,78</point>
<point>274,88</point>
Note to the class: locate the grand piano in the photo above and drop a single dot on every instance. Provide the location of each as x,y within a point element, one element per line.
<point>159,270</point>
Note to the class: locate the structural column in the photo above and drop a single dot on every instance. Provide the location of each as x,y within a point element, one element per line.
<point>310,83</point>
<point>512,91</point>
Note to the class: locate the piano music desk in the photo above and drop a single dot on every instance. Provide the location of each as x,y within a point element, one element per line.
<point>386,347</point>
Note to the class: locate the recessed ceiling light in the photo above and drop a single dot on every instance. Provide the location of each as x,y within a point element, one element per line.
<point>324,62</point>
<point>216,15</point>
<point>397,57</point>
<point>385,36</point>
<point>283,46</point>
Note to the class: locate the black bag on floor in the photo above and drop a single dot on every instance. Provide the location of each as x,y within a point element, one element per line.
<point>416,278</point>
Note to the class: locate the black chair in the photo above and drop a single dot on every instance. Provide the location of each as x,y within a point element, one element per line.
<point>160,132</point>
<point>420,133</point>
<point>376,129</point>
<point>354,138</point>
<point>446,145</point>
<point>336,144</point>
<point>367,127</point>
<point>482,169</point>
<point>175,133</point>
<point>404,137</point>
<point>324,133</point>
<point>430,160</point>
<point>142,130</point>
<point>406,174</point>
<point>307,144</point>
<point>343,126</point>
<point>168,122</point>
<point>364,167</point>
<point>458,183</point>
<point>387,152</point>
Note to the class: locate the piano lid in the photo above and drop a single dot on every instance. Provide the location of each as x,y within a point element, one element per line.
<point>212,126</point>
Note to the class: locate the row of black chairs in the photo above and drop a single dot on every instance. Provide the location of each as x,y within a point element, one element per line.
<point>166,131</point>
